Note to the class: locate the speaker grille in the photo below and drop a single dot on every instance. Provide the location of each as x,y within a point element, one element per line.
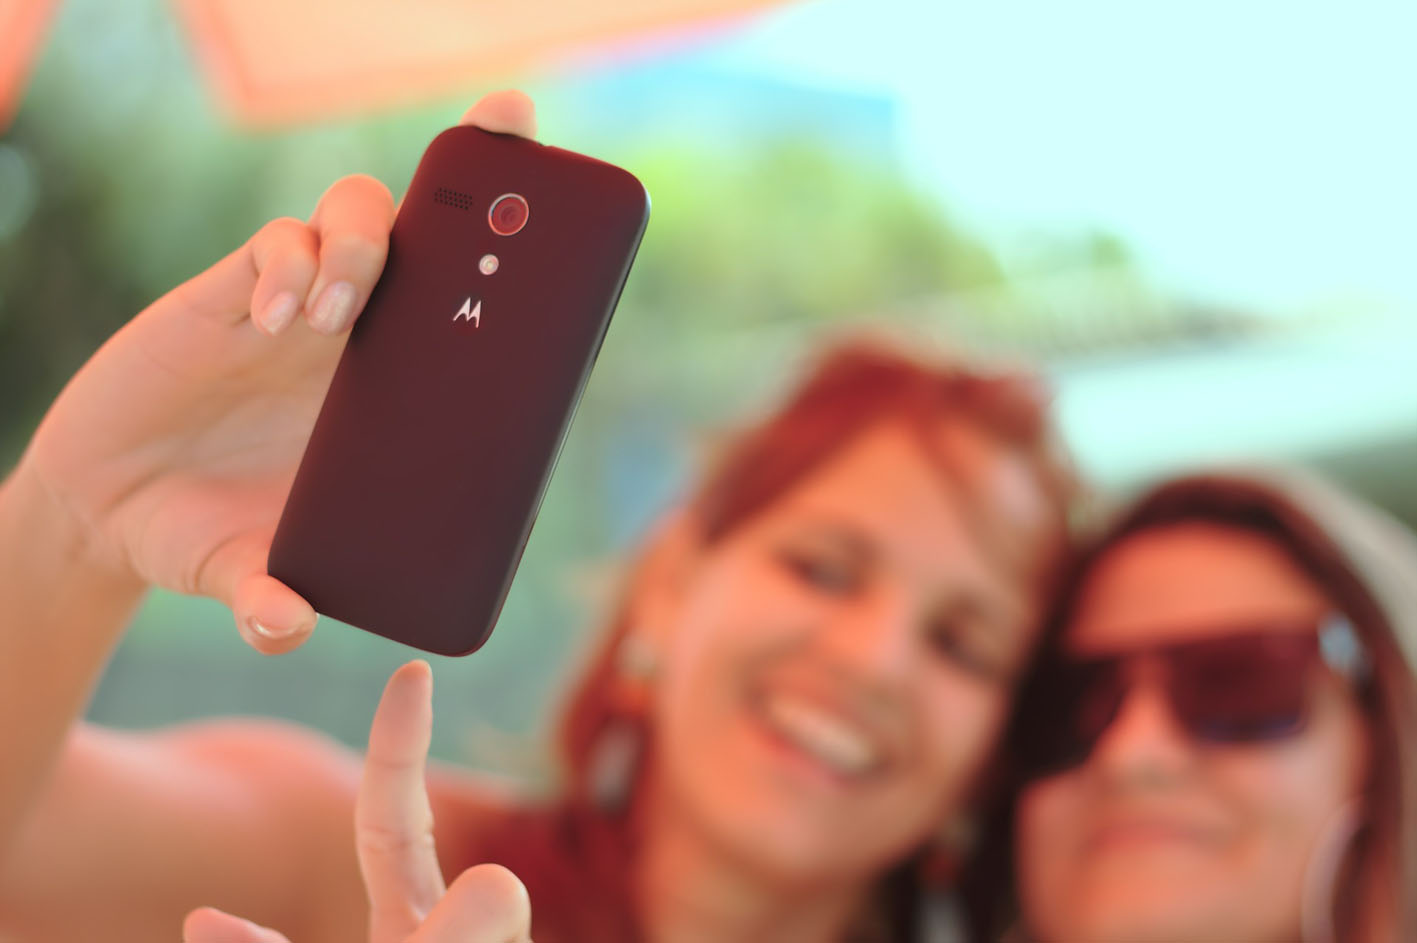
<point>453,198</point>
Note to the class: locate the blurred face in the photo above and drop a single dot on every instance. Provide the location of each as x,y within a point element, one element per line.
<point>1160,835</point>
<point>835,669</point>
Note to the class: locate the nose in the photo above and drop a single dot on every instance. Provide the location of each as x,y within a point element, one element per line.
<point>1144,745</point>
<point>875,637</point>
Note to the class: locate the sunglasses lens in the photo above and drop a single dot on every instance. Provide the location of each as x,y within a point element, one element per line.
<point>1065,711</point>
<point>1243,688</point>
<point>1234,689</point>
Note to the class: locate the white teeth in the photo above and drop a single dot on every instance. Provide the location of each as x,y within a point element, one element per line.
<point>823,736</point>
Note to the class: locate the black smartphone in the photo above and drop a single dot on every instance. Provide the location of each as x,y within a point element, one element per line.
<point>427,464</point>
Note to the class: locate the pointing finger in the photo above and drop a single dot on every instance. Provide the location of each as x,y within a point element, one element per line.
<point>393,821</point>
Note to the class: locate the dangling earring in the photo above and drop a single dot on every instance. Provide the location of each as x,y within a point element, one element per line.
<point>948,847</point>
<point>615,759</point>
<point>938,914</point>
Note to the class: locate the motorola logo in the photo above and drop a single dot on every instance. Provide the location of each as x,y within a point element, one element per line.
<point>470,313</point>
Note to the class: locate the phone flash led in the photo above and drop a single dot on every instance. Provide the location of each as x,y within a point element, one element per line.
<point>488,264</point>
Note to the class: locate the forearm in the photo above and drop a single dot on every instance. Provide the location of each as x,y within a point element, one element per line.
<point>61,614</point>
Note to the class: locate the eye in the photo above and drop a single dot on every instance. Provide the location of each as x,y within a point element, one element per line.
<point>822,570</point>
<point>953,641</point>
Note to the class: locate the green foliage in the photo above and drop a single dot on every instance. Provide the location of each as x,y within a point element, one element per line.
<point>791,232</point>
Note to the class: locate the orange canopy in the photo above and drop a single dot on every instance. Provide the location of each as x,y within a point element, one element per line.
<point>22,24</point>
<point>276,61</point>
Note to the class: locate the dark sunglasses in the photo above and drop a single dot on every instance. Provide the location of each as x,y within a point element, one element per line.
<point>1251,685</point>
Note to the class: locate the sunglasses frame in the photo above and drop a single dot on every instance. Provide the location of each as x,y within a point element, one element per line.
<point>1337,646</point>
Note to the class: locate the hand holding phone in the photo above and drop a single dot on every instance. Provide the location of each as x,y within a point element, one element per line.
<point>167,458</point>
<point>428,461</point>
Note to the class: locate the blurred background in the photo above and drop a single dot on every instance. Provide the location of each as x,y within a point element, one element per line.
<point>1196,218</point>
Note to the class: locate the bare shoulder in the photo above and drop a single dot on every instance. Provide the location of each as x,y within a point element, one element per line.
<point>253,816</point>
<point>267,748</point>
<point>308,781</point>
<point>323,775</point>
<point>314,779</point>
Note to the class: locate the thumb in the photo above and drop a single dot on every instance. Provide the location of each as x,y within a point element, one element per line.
<point>271,616</point>
<point>486,904</point>
<point>209,925</point>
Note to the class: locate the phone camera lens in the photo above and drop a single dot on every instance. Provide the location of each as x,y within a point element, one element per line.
<point>508,214</point>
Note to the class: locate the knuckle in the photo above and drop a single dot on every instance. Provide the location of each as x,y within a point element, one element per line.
<point>381,839</point>
<point>355,248</point>
<point>372,186</point>
<point>389,760</point>
<point>284,238</point>
<point>283,229</point>
<point>358,187</point>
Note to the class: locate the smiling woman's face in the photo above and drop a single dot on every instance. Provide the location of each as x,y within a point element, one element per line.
<point>1156,836</point>
<point>835,670</point>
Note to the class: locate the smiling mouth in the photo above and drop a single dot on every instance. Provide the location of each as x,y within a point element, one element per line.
<point>1145,834</point>
<point>832,742</point>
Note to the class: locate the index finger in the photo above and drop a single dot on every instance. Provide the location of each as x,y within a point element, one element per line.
<point>393,822</point>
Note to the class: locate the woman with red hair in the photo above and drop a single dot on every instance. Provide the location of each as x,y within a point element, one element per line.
<point>780,738</point>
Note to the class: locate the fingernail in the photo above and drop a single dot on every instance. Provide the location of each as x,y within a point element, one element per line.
<point>279,312</point>
<point>334,308</point>
<point>268,631</point>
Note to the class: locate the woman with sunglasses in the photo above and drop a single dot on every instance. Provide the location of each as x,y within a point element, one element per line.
<point>1220,741</point>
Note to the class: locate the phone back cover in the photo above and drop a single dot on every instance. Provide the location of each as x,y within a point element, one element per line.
<point>427,463</point>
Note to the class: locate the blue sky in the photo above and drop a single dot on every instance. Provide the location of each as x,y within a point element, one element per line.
<point>1252,152</point>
